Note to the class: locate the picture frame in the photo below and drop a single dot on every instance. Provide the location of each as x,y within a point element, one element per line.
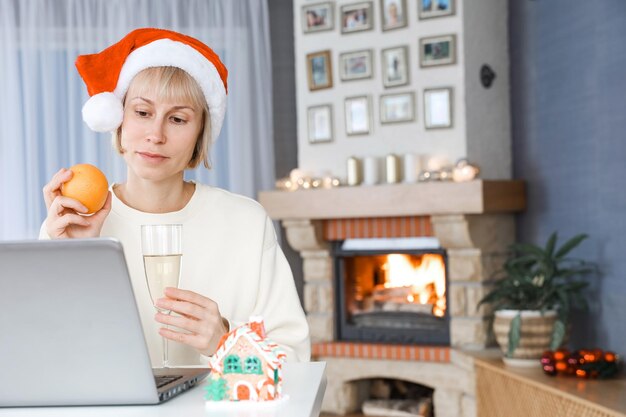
<point>320,123</point>
<point>437,50</point>
<point>355,65</point>
<point>319,70</point>
<point>395,66</point>
<point>393,14</point>
<point>438,108</point>
<point>358,115</point>
<point>397,108</point>
<point>318,17</point>
<point>357,17</point>
<point>427,9</point>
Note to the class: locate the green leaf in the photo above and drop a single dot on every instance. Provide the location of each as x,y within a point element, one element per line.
<point>492,296</point>
<point>515,332</point>
<point>580,302</point>
<point>558,334</point>
<point>576,287</point>
<point>528,248</point>
<point>522,260</point>
<point>551,244</point>
<point>569,245</point>
<point>564,301</point>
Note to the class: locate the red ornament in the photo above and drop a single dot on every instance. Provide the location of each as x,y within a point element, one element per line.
<point>584,363</point>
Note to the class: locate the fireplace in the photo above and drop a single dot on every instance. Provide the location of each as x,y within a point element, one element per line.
<point>391,295</point>
<point>472,224</point>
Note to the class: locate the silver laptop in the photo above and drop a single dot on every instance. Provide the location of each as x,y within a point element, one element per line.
<point>70,332</point>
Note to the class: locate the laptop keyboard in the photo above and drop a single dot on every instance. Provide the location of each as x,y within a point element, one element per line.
<point>163,380</point>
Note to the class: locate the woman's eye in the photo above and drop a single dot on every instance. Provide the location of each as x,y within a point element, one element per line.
<point>141,113</point>
<point>178,120</point>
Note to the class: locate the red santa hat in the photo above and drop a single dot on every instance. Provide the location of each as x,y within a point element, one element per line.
<point>108,74</point>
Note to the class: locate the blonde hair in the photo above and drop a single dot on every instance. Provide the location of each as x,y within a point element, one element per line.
<point>174,84</point>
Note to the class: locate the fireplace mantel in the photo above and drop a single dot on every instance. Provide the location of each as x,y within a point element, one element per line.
<point>428,198</point>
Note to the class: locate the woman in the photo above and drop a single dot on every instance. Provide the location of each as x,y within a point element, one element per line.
<point>163,96</point>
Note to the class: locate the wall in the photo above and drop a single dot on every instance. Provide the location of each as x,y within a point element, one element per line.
<point>481,38</point>
<point>284,106</point>
<point>488,126</point>
<point>568,62</point>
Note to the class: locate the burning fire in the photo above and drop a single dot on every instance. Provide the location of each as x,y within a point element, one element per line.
<point>425,282</point>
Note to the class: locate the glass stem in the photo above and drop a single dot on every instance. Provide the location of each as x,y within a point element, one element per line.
<point>165,352</point>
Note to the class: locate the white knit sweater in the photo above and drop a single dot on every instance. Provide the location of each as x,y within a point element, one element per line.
<point>230,255</point>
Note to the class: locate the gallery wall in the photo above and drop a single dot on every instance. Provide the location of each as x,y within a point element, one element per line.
<point>400,138</point>
<point>477,122</point>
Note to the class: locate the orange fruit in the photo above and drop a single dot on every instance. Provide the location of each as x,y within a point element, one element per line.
<point>88,185</point>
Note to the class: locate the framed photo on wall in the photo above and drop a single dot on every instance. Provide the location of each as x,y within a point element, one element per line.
<point>427,9</point>
<point>357,111</point>
<point>393,14</point>
<point>317,17</point>
<point>320,120</point>
<point>397,108</point>
<point>437,50</point>
<point>319,71</point>
<point>395,65</point>
<point>438,108</point>
<point>355,65</point>
<point>356,17</point>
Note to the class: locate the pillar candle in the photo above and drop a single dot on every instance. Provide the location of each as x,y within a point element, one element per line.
<point>412,167</point>
<point>392,169</point>
<point>370,170</point>
<point>353,171</point>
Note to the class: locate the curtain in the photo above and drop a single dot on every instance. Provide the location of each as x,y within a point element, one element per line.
<point>41,129</point>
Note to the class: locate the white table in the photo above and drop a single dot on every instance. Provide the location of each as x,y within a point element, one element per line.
<point>304,383</point>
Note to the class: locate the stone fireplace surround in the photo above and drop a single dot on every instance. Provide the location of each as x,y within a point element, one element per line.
<point>473,222</point>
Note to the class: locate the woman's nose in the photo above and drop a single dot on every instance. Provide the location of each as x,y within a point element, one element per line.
<point>156,133</point>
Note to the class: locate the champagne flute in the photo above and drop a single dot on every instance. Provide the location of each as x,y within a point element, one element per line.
<point>161,245</point>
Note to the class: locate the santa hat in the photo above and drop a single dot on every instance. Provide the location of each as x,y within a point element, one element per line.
<point>108,74</point>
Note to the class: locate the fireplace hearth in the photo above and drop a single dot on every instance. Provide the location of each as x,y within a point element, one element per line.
<point>391,296</point>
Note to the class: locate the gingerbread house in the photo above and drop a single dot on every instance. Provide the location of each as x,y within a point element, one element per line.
<point>246,366</point>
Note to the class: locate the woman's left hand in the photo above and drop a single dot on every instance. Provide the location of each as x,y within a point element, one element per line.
<point>198,315</point>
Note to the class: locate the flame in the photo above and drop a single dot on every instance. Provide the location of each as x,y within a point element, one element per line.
<point>427,281</point>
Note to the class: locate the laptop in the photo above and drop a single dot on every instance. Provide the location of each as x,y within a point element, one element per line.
<point>70,332</point>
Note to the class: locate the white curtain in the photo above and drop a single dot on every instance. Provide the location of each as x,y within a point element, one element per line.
<point>41,93</point>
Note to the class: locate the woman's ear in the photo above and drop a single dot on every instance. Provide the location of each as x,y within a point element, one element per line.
<point>118,140</point>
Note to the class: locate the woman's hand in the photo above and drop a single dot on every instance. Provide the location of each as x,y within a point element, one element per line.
<point>199,317</point>
<point>63,220</point>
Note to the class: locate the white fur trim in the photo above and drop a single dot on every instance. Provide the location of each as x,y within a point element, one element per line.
<point>103,112</point>
<point>166,52</point>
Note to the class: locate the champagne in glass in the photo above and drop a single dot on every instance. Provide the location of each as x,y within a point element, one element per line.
<point>161,245</point>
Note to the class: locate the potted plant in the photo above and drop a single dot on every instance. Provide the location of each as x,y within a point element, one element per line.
<point>533,298</point>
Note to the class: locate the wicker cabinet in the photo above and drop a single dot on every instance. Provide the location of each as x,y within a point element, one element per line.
<point>511,392</point>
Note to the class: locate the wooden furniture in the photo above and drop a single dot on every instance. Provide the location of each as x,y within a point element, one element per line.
<point>521,392</point>
<point>304,383</point>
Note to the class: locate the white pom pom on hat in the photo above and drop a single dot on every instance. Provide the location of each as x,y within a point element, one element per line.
<point>108,74</point>
<point>103,112</point>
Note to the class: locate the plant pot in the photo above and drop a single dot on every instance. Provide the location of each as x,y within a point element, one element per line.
<point>535,337</point>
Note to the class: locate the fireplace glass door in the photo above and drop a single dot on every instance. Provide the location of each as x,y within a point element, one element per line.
<point>397,296</point>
